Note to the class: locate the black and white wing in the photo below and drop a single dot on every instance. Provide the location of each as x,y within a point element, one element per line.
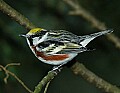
<point>62,36</point>
<point>55,47</point>
<point>65,36</point>
<point>62,42</point>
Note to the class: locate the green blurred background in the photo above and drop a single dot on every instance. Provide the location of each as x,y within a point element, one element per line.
<point>53,14</point>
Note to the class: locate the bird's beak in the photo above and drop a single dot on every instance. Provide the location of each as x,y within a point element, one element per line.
<point>22,35</point>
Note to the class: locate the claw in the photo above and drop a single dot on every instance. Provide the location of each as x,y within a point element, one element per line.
<point>57,69</point>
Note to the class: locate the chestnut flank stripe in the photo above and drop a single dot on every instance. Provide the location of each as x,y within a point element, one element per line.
<point>50,57</point>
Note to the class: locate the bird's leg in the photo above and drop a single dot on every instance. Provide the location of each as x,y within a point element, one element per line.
<point>57,69</point>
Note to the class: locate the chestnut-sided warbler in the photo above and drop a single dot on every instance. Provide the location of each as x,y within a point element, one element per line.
<point>57,47</point>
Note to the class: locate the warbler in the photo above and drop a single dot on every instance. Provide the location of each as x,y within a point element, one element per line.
<point>57,47</point>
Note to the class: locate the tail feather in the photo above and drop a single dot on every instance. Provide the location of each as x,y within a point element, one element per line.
<point>84,40</point>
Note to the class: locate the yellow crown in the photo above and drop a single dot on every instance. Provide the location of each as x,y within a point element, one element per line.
<point>34,30</point>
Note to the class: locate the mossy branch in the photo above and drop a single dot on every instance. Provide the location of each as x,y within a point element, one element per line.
<point>77,68</point>
<point>44,81</point>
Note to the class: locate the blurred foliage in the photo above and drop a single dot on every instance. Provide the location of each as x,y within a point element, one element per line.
<point>53,14</point>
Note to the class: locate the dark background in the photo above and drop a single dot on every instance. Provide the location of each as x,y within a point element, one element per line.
<point>53,14</point>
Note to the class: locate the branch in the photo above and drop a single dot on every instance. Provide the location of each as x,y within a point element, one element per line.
<point>44,81</point>
<point>79,10</point>
<point>45,91</point>
<point>77,68</point>
<point>7,72</point>
<point>5,8</point>
<point>81,70</point>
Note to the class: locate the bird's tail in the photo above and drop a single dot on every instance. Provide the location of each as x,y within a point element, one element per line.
<point>84,40</point>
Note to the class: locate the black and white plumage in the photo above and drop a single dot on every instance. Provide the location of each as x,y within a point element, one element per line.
<point>58,47</point>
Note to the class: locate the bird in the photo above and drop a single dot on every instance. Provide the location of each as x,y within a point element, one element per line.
<point>58,47</point>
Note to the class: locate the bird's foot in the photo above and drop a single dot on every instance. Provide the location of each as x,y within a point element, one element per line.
<point>57,69</point>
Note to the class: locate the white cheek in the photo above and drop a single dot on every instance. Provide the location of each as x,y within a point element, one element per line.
<point>44,37</point>
<point>38,40</point>
<point>35,41</point>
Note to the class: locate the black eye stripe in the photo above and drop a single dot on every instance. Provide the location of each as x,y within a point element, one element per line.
<point>36,35</point>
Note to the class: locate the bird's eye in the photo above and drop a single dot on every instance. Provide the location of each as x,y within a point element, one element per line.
<point>36,35</point>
